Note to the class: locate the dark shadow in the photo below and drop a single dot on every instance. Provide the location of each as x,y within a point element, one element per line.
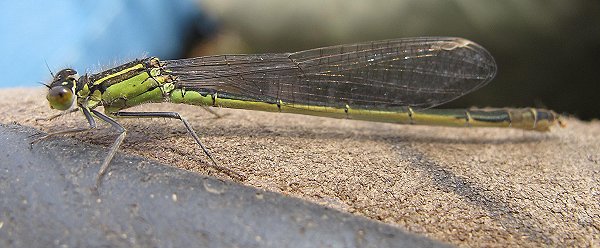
<point>469,192</point>
<point>143,131</point>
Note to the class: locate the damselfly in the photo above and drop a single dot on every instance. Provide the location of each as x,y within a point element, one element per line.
<point>395,81</point>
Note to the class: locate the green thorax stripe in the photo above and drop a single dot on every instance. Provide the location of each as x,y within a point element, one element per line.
<point>105,79</point>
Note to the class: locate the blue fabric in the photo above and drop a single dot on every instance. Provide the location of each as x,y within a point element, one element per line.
<point>89,35</point>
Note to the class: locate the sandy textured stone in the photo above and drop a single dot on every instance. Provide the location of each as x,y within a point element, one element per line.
<point>468,187</point>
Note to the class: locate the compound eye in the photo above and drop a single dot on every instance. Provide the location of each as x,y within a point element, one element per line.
<point>60,97</point>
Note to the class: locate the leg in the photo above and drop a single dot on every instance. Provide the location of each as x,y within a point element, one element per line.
<point>49,118</point>
<point>88,116</point>
<point>173,115</point>
<point>113,148</point>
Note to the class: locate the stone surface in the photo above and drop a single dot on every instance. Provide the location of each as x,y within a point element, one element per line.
<point>48,202</point>
<point>468,187</point>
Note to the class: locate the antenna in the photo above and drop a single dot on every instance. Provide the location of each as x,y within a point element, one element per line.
<point>44,84</point>
<point>47,66</point>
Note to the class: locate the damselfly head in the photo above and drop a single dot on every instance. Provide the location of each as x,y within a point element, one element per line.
<point>61,94</point>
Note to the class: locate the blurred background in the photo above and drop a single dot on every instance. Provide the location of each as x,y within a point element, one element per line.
<point>547,50</point>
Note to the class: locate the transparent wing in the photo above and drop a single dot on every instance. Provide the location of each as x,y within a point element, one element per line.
<point>415,72</point>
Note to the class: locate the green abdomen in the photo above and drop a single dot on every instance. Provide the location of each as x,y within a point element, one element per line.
<point>527,118</point>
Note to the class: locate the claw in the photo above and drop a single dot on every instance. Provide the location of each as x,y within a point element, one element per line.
<point>234,175</point>
<point>34,135</point>
<point>33,142</point>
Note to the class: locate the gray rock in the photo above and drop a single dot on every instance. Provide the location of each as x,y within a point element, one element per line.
<point>47,201</point>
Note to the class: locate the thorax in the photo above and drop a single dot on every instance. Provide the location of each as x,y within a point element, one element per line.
<point>124,86</point>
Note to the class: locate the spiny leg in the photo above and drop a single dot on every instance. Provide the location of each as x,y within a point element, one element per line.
<point>89,118</point>
<point>113,148</point>
<point>52,117</point>
<point>174,115</point>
